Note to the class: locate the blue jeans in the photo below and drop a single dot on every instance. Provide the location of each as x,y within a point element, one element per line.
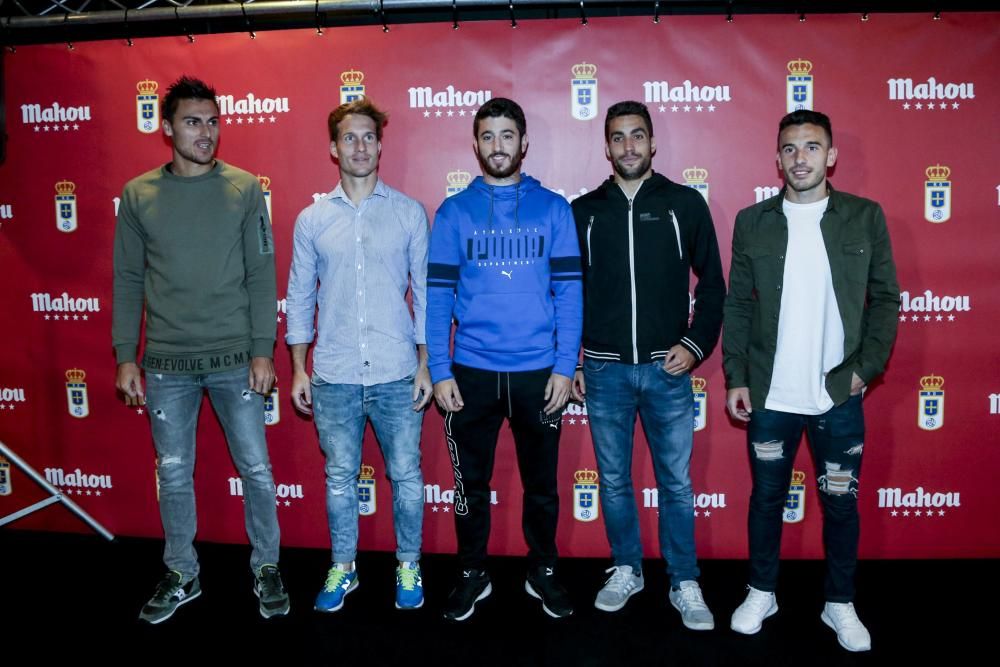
<point>173,403</point>
<point>665,403</point>
<point>340,411</point>
<point>837,439</point>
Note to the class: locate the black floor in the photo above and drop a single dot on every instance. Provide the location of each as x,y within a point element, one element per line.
<point>69,598</point>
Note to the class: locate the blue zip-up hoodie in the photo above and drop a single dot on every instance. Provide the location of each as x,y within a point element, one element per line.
<point>505,263</point>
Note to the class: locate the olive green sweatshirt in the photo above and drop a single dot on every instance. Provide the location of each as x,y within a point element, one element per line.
<point>198,253</point>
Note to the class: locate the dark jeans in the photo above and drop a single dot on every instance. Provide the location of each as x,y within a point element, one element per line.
<point>836,439</point>
<point>472,441</point>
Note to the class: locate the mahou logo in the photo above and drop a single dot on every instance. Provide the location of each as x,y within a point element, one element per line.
<point>442,500</point>
<point>78,482</point>
<point>64,306</point>
<point>575,413</point>
<point>6,213</point>
<point>765,192</point>
<point>284,493</point>
<point>685,96</point>
<point>930,307</point>
<point>930,94</point>
<point>251,109</point>
<point>450,98</point>
<point>9,396</point>
<point>55,117</point>
<point>918,502</point>
<point>704,503</point>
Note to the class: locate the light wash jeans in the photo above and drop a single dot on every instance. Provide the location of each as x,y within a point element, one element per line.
<point>665,403</point>
<point>173,403</point>
<point>340,412</point>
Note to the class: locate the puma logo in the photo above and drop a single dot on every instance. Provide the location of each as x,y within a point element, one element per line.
<point>509,274</point>
<point>555,426</point>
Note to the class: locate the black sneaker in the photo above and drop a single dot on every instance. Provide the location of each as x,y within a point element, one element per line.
<point>541,583</point>
<point>472,586</point>
<point>269,588</point>
<point>169,595</point>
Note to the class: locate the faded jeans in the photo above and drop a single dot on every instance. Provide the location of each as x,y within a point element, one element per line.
<point>173,404</point>
<point>340,412</point>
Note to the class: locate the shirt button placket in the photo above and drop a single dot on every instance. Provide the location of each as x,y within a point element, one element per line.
<point>359,254</point>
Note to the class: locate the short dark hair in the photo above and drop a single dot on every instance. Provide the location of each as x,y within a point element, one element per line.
<point>627,108</point>
<point>186,88</point>
<point>806,117</point>
<point>497,107</point>
<point>360,107</point>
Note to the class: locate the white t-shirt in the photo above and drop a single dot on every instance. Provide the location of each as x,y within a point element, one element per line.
<point>810,331</point>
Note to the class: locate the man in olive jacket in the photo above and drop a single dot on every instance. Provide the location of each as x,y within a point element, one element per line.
<point>810,320</point>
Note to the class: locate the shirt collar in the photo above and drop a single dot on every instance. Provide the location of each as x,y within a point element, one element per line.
<point>381,190</point>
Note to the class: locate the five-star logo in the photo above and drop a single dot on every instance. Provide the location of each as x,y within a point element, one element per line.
<point>265,188</point>
<point>66,206</point>
<point>64,307</point>
<point>78,482</point>
<point>147,107</point>
<point>6,488</point>
<point>284,494</point>
<point>686,97</point>
<point>795,502</point>
<point>366,490</point>
<point>918,502</point>
<point>930,405</point>
<point>585,495</point>
<point>930,94</point>
<point>458,180</point>
<point>704,503</point>
<point>54,118</point>
<point>937,194</point>
<point>932,308</point>
<point>76,393</point>
<point>272,409</point>
<point>696,177</point>
<point>700,402</point>
<point>800,85</point>
<point>251,109</point>
<point>351,87</point>
<point>583,92</point>
<point>9,396</point>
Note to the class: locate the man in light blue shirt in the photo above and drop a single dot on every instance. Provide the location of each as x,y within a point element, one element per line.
<point>356,252</point>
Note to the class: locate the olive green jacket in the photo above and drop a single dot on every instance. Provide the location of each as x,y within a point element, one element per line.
<point>864,281</point>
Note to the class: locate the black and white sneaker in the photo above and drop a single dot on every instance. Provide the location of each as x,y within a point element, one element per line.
<point>270,590</point>
<point>541,583</point>
<point>472,586</point>
<point>169,595</point>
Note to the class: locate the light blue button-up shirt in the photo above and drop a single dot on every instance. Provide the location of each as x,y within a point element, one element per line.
<point>357,263</point>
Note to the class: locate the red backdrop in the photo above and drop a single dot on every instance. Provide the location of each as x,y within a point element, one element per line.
<point>914,106</point>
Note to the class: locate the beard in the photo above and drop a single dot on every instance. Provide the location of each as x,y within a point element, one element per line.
<point>631,173</point>
<point>496,172</point>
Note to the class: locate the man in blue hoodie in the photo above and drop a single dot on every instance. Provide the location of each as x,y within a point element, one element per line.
<point>505,264</point>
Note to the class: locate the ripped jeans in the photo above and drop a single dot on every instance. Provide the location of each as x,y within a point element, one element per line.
<point>173,403</point>
<point>836,438</point>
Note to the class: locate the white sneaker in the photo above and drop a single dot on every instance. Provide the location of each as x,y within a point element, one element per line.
<point>750,615</point>
<point>619,587</point>
<point>688,601</point>
<point>851,632</point>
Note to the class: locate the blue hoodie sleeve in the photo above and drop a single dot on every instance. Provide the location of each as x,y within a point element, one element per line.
<point>442,281</point>
<point>567,288</point>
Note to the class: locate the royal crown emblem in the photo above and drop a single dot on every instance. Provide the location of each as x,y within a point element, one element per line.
<point>265,182</point>
<point>695,174</point>
<point>366,490</point>
<point>930,403</point>
<point>65,187</point>
<point>147,87</point>
<point>584,71</point>
<point>75,375</point>
<point>583,91</point>
<point>938,173</point>
<point>799,67</point>
<point>586,493</point>
<point>795,502</point>
<point>352,77</point>
<point>698,384</point>
<point>586,476</point>
<point>931,382</point>
<point>458,180</point>
<point>76,393</point>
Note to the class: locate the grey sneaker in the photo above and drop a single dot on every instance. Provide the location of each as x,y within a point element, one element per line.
<point>271,592</point>
<point>750,615</point>
<point>851,632</point>
<point>688,601</point>
<point>620,586</point>
<point>169,595</point>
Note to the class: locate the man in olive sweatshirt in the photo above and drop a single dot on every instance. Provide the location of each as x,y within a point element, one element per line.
<point>193,246</point>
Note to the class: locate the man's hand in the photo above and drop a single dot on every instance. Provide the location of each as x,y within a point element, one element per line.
<point>579,391</point>
<point>736,396</point>
<point>129,382</point>
<point>262,375</point>
<point>557,393</point>
<point>857,384</point>
<point>447,395</point>
<point>302,392</point>
<point>422,388</point>
<point>678,360</point>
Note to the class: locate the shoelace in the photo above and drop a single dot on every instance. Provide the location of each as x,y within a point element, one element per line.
<point>759,601</point>
<point>407,578</point>
<point>619,581</point>
<point>334,578</point>
<point>270,581</point>
<point>691,598</point>
<point>845,616</point>
<point>167,587</point>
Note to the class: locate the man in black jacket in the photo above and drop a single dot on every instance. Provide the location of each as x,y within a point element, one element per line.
<point>641,235</point>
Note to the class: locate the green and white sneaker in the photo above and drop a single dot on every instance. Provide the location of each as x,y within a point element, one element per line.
<point>169,595</point>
